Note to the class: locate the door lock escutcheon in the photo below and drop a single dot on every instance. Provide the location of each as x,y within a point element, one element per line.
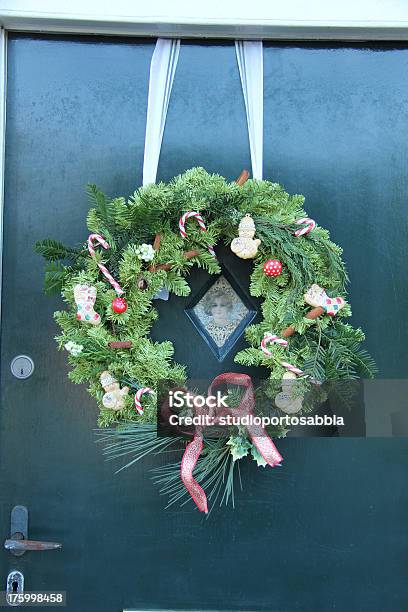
<point>22,366</point>
<point>18,543</point>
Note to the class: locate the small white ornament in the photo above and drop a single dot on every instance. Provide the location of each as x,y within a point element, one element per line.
<point>114,396</point>
<point>145,252</point>
<point>285,402</point>
<point>245,246</point>
<point>73,348</point>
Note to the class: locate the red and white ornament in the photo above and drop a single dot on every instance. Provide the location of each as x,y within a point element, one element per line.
<point>138,396</point>
<point>272,267</point>
<point>270,338</point>
<point>119,305</point>
<point>97,238</point>
<point>310,225</point>
<point>182,226</point>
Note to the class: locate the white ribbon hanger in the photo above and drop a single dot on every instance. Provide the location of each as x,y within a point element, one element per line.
<point>162,70</point>
<point>250,64</point>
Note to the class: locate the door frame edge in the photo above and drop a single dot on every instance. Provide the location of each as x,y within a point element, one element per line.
<point>3,94</point>
<point>282,25</point>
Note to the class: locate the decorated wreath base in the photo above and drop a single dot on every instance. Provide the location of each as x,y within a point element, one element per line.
<point>150,243</point>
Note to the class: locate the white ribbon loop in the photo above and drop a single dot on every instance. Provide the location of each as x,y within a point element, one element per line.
<point>250,64</point>
<point>162,70</point>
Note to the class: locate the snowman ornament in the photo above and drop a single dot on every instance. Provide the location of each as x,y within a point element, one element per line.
<point>114,398</point>
<point>246,246</point>
<point>287,401</point>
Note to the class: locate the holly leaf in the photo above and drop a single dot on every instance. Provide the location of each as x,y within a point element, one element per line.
<point>239,447</point>
<point>256,455</point>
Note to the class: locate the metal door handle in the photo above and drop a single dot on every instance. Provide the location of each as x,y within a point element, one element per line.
<point>18,542</point>
<point>23,545</point>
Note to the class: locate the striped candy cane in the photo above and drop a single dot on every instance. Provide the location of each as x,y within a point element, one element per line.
<point>292,368</point>
<point>298,372</point>
<point>271,339</point>
<point>91,248</point>
<point>196,215</point>
<point>138,395</point>
<point>310,225</point>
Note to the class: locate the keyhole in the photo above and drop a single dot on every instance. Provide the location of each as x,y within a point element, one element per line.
<point>22,372</point>
<point>14,586</point>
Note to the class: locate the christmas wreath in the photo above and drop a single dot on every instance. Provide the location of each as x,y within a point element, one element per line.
<point>150,243</point>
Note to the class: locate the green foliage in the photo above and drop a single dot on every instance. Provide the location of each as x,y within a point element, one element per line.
<point>55,275</point>
<point>101,218</point>
<point>239,446</point>
<point>53,250</point>
<point>327,349</point>
<point>216,472</point>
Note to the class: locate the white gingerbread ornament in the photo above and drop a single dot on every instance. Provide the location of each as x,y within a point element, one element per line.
<point>245,246</point>
<point>114,397</point>
<point>85,296</point>
<point>316,296</point>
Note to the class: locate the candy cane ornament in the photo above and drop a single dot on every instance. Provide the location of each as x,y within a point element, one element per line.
<point>138,396</point>
<point>298,372</point>
<point>310,225</point>
<point>100,240</point>
<point>271,339</point>
<point>119,304</point>
<point>292,368</point>
<point>196,215</point>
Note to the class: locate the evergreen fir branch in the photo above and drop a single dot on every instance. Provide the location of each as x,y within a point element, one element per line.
<point>104,211</point>
<point>132,439</point>
<point>344,393</point>
<point>55,275</point>
<point>215,471</point>
<point>53,250</point>
<point>176,284</point>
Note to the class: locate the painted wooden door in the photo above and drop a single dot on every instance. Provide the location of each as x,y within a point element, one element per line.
<point>326,531</point>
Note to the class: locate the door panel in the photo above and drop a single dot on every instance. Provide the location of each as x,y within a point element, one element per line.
<point>330,523</point>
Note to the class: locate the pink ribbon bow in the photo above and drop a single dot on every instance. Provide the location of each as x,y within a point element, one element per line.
<point>257,433</point>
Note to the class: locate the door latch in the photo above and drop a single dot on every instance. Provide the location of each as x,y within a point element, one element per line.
<point>18,543</point>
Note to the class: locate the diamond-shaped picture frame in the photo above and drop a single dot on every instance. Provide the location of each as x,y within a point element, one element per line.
<point>220,312</point>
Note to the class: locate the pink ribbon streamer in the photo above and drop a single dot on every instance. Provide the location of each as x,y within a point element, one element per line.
<point>257,433</point>
<point>188,463</point>
<point>100,240</point>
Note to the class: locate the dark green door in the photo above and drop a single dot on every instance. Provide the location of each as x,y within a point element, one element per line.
<point>326,531</point>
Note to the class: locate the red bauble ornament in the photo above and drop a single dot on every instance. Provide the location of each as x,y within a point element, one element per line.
<point>119,305</point>
<point>272,267</point>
